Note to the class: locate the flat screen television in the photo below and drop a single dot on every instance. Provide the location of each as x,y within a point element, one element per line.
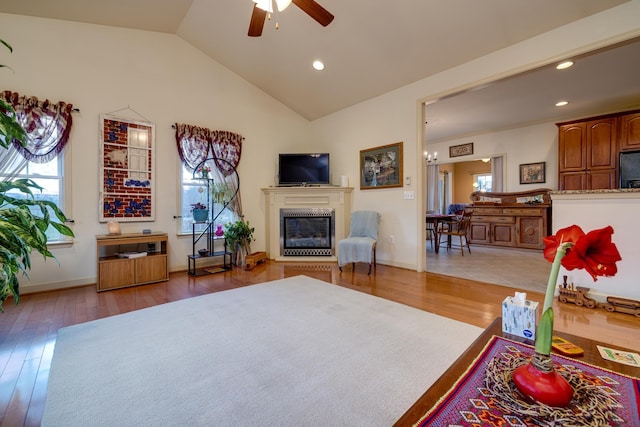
<point>303,169</point>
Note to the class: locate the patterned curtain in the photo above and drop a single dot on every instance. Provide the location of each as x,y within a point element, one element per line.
<point>227,146</point>
<point>193,144</point>
<point>47,125</point>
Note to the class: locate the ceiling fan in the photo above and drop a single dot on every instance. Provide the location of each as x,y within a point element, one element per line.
<point>262,7</point>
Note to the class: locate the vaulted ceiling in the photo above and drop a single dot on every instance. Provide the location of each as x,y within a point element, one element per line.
<point>370,48</point>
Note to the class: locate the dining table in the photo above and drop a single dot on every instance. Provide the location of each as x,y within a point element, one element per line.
<point>436,219</point>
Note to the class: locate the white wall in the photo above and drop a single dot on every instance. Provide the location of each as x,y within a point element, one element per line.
<point>102,69</point>
<point>596,210</point>
<point>396,116</point>
<point>536,143</point>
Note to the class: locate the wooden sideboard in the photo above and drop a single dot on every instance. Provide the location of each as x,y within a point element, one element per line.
<point>115,272</point>
<point>509,221</point>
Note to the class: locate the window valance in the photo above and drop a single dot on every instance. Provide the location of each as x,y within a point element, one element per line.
<point>47,125</point>
<point>195,144</point>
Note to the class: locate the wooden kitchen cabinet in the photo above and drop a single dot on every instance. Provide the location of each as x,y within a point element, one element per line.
<point>114,272</point>
<point>629,133</point>
<point>587,157</point>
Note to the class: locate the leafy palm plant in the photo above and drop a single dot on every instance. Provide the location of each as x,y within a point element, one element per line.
<point>23,219</point>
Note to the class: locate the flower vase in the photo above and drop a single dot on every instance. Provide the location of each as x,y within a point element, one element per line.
<point>239,255</point>
<point>219,231</point>
<point>200,215</point>
<point>205,174</point>
<point>539,381</point>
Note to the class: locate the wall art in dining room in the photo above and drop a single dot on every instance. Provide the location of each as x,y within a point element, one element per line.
<point>461,150</point>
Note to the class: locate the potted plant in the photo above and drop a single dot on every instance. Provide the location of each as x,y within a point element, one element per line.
<point>238,236</point>
<point>200,212</point>
<point>23,219</point>
<point>204,171</point>
<point>219,192</point>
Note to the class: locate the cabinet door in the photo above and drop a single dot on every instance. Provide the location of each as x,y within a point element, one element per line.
<point>602,179</point>
<point>572,144</point>
<point>151,268</point>
<point>630,132</point>
<point>572,181</point>
<point>479,232</point>
<point>529,232</point>
<point>116,273</point>
<point>601,144</point>
<point>502,234</point>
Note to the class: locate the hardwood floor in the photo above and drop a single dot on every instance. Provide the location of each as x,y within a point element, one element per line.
<point>28,330</point>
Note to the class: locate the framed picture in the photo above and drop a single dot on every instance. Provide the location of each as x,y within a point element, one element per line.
<point>381,167</point>
<point>127,160</point>
<point>461,150</point>
<point>532,173</point>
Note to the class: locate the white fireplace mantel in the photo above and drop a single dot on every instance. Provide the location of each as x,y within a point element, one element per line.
<point>276,198</point>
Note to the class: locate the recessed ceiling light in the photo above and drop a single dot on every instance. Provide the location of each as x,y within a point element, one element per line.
<point>318,65</point>
<point>564,65</point>
<point>561,103</point>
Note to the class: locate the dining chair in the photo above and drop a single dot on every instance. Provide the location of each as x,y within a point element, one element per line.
<point>360,244</point>
<point>457,228</point>
<point>431,231</point>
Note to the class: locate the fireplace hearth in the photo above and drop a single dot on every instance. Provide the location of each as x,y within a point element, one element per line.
<point>307,232</point>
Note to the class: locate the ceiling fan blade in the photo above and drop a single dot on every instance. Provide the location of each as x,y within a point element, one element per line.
<point>257,21</point>
<point>315,11</point>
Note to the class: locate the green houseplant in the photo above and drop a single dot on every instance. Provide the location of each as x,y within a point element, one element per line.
<point>238,236</point>
<point>23,219</point>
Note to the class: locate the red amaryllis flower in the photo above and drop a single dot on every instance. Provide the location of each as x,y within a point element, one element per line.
<point>595,253</point>
<point>571,248</point>
<point>570,234</point>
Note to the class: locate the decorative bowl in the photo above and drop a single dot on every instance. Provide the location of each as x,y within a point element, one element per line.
<point>203,252</point>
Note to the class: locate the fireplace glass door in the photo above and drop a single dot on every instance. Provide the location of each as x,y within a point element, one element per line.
<point>307,232</point>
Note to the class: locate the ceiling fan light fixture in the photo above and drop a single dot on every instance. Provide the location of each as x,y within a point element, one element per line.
<point>282,4</point>
<point>318,65</point>
<point>265,5</point>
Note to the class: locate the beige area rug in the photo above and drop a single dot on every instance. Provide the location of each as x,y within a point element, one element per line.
<point>292,352</point>
<point>526,270</point>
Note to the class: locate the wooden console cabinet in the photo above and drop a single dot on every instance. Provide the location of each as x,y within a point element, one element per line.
<point>508,223</point>
<point>114,272</point>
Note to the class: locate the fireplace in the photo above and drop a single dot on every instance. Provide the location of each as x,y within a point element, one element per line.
<point>307,232</point>
<point>336,200</point>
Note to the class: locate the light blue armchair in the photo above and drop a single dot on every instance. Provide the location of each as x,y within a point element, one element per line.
<point>360,245</point>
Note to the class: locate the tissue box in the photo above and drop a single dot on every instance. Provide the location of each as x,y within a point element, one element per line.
<point>519,320</point>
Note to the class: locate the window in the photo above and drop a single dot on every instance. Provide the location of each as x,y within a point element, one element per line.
<point>50,177</point>
<point>138,153</point>
<point>195,191</point>
<point>40,158</point>
<point>482,182</point>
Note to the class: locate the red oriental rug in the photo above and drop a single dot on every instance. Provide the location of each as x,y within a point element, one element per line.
<point>476,400</point>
